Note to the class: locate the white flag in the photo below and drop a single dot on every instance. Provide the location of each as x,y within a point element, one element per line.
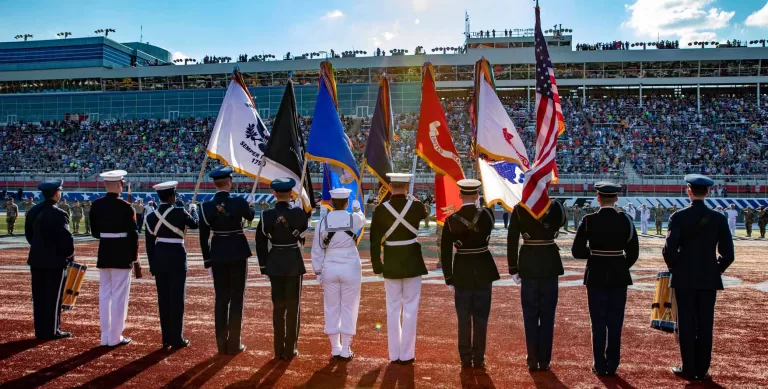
<point>497,136</point>
<point>502,183</point>
<point>239,138</point>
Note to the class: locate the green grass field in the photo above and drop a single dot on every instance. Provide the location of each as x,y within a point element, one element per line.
<point>19,230</point>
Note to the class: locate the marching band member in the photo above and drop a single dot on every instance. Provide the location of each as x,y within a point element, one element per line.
<point>537,266</point>
<point>284,228</point>
<point>51,249</point>
<point>394,225</point>
<point>167,255</point>
<point>227,256</point>
<point>113,222</point>
<point>471,271</point>
<point>608,241</point>
<point>696,233</point>
<point>336,264</point>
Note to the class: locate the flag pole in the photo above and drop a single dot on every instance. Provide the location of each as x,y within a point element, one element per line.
<point>304,176</point>
<point>199,178</point>
<point>256,183</point>
<point>413,173</point>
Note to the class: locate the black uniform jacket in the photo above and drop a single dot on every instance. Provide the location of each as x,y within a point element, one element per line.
<point>608,241</point>
<point>47,231</point>
<point>399,261</point>
<point>535,261</point>
<point>695,234</point>
<point>112,215</point>
<point>167,257</point>
<point>468,270</point>
<point>281,225</point>
<point>222,217</point>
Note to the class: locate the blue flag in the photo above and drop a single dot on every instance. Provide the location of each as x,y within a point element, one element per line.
<point>330,145</point>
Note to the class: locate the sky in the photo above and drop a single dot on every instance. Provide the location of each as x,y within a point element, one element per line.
<point>195,28</point>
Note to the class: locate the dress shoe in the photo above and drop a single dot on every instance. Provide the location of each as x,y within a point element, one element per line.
<point>180,345</point>
<point>62,335</point>
<point>479,365</point>
<point>123,341</point>
<point>544,368</point>
<point>599,373</point>
<point>335,357</point>
<point>165,345</point>
<point>347,358</point>
<point>290,356</point>
<point>533,369</point>
<point>466,365</point>
<point>237,350</point>
<point>678,371</point>
<point>408,362</point>
<point>396,362</point>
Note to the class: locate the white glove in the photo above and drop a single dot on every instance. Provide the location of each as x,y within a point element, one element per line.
<point>450,287</point>
<point>319,278</point>
<point>356,206</point>
<point>210,271</point>
<point>516,279</point>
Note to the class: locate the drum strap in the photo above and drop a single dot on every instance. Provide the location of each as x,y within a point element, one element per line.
<point>161,220</point>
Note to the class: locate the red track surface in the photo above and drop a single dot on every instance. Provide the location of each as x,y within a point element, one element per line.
<point>740,357</point>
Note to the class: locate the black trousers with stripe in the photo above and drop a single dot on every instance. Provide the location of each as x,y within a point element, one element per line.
<point>286,313</point>
<point>47,290</point>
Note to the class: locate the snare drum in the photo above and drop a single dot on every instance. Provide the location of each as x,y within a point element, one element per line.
<point>75,277</point>
<point>664,307</point>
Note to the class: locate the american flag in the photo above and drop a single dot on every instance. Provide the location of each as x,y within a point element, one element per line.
<point>549,125</point>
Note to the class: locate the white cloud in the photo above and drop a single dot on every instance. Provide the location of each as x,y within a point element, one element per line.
<point>416,21</point>
<point>758,18</point>
<point>688,20</point>
<point>419,5</point>
<point>388,35</point>
<point>179,55</point>
<point>335,14</point>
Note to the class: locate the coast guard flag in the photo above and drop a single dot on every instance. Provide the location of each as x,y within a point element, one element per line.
<point>502,183</point>
<point>330,145</point>
<point>497,136</point>
<point>239,138</point>
<point>378,149</point>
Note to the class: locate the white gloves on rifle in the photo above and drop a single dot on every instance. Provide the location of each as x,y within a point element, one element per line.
<point>516,279</point>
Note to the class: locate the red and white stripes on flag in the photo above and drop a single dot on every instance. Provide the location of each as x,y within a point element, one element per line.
<point>549,125</point>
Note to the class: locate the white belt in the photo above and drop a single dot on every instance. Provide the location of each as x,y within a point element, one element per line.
<point>401,242</point>
<point>170,240</point>
<point>113,235</point>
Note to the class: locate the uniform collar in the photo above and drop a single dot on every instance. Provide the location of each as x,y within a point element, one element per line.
<point>700,203</point>
<point>469,204</point>
<point>113,195</point>
<point>608,207</point>
<point>282,204</point>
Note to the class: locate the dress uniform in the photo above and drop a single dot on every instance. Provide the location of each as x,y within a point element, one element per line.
<point>227,255</point>
<point>645,215</point>
<point>11,213</point>
<point>283,228</point>
<point>631,211</point>
<point>113,222</point>
<point>395,226</point>
<point>608,241</point>
<point>762,219</point>
<point>27,206</point>
<point>537,265</point>
<point>749,219</point>
<point>252,206</point>
<point>470,271</point>
<point>696,234</point>
<point>87,216</point>
<point>138,207</point>
<point>167,255</point>
<point>77,215</point>
<point>51,250</point>
<point>732,214</point>
<point>658,217</point>
<point>336,264</point>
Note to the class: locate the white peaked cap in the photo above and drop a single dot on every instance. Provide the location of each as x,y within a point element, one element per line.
<point>400,177</point>
<point>166,185</point>
<point>113,175</point>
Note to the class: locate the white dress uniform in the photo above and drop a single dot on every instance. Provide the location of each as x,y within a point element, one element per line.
<point>336,262</point>
<point>631,211</point>
<point>645,215</point>
<point>732,215</point>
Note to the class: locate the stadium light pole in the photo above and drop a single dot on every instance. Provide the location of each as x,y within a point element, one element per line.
<point>759,41</point>
<point>24,36</point>
<point>185,60</point>
<point>64,34</point>
<point>105,31</point>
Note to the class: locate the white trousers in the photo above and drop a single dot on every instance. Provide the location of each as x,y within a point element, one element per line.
<point>732,226</point>
<point>341,295</point>
<point>644,227</point>
<point>402,302</point>
<point>114,287</point>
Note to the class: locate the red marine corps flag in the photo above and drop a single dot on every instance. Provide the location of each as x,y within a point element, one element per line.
<point>435,146</point>
<point>549,125</point>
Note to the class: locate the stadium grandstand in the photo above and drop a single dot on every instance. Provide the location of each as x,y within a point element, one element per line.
<point>642,114</point>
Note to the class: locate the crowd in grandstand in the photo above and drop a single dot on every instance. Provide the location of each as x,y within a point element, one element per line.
<point>662,136</point>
